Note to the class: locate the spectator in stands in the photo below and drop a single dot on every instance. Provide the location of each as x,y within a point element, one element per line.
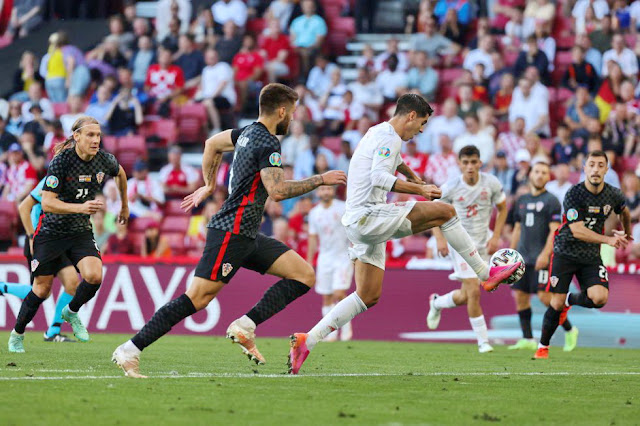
<point>634,12</point>
<point>481,55</point>
<point>518,28</point>
<point>120,242</point>
<point>171,39</point>
<point>600,7</point>
<point>487,120</point>
<point>546,43</point>
<point>532,56</point>
<point>217,90</point>
<point>610,90</point>
<point>319,80</point>
<point>54,70</point>
<point>586,24</point>
<point>26,73</point>
<point>6,138</point>
<point>620,132</point>
<point>344,159</point>
<point>21,176</point>
<point>564,150</point>
<point>190,60</point>
<point>230,43</point>
<point>422,78</point>
<point>434,43</point>
<point>452,29</point>
<point>100,107</point>
<point>333,104</point>
<point>154,244</point>
<point>125,81</point>
<point>580,72</point>
<point>164,82</point>
<point>15,121</point>
<point>79,76</point>
<point>462,8</point>
<point>140,27</point>
<point>392,82</point>
<point>294,144</point>
<point>502,98</point>
<point>495,79</point>
<point>248,67</point>
<point>534,110</point>
<point>112,198</point>
<point>621,14</point>
<point>141,60</point>
<point>125,113</point>
<point>76,109</point>
<point>538,89</point>
<point>124,39</point>
<point>178,179</point>
<point>100,233</point>
<point>366,93</point>
<point>277,50</point>
<point>204,29</point>
<point>392,48</point>
<point>416,160</point>
<point>622,55</point>
<point>283,233</point>
<point>503,171</point>
<point>197,231</point>
<point>535,149</point>
<point>579,112</point>
<point>540,10</point>
<point>308,110</point>
<point>37,125</point>
<point>442,165</point>
<point>32,148</point>
<point>467,105</point>
<point>448,123</point>
<point>591,55</point>
<point>560,185</point>
<point>307,34</point>
<point>230,10</point>
<point>306,160</point>
<point>473,136</point>
<point>631,188</point>
<point>354,136</point>
<point>109,53</point>
<point>145,193</point>
<point>26,16</point>
<point>521,175</point>
<point>602,38</point>
<point>168,9</point>
<point>367,59</point>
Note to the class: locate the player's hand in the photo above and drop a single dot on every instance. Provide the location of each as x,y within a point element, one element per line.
<point>443,247</point>
<point>123,216</point>
<point>198,196</point>
<point>542,262</point>
<point>431,192</point>
<point>334,177</point>
<point>493,244</point>
<point>618,240</point>
<point>416,179</point>
<point>91,206</point>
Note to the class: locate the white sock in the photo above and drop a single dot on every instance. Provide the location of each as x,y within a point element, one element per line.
<point>461,242</point>
<point>131,349</point>
<point>246,322</point>
<point>341,314</point>
<point>540,345</point>
<point>445,301</point>
<point>480,328</point>
<point>566,300</point>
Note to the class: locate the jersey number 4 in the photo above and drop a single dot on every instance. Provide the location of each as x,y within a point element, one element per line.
<point>82,192</point>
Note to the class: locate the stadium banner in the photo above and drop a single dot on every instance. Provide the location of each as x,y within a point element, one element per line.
<point>134,288</point>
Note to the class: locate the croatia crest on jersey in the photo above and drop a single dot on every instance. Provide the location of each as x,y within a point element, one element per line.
<point>226,269</point>
<point>34,265</point>
<point>384,152</point>
<point>100,177</point>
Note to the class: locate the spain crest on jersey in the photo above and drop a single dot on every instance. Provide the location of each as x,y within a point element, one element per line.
<point>100,177</point>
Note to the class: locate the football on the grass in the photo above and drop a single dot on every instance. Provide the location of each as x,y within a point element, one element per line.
<point>507,257</point>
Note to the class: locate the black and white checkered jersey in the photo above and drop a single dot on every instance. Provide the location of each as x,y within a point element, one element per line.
<point>581,205</point>
<point>75,181</point>
<point>255,149</point>
<point>535,213</point>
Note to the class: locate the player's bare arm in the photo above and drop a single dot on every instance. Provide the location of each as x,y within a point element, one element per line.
<point>121,184</point>
<point>441,242</point>
<point>494,241</point>
<point>312,248</point>
<point>625,219</point>
<point>409,174</point>
<point>581,232</point>
<point>430,192</point>
<point>24,209</point>
<point>280,189</point>
<point>515,235</point>
<point>52,204</point>
<point>542,262</point>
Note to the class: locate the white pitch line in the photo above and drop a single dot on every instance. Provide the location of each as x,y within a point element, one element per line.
<point>196,375</point>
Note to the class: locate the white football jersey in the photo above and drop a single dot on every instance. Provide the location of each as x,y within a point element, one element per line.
<point>332,237</point>
<point>474,204</point>
<point>375,160</point>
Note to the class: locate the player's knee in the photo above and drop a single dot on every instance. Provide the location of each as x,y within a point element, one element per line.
<point>599,302</point>
<point>307,276</point>
<point>473,294</point>
<point>93,277</point>
<point>448,212</point>
<point>370,298</point>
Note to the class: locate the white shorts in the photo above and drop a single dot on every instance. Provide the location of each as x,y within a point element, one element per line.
<point>379,224</point>
<point>461,269</point>
<point>331,277</point>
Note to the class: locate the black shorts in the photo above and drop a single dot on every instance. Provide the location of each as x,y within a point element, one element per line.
<point>532,281</point>
<point>562,270</point>
<point>225,253</point>
<point>63,263</point>
<point>51,252</point>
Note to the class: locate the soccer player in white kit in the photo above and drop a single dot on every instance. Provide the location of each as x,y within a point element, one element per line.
<point>370,222</point>
<point>334,270</point>
<point>473,194</point>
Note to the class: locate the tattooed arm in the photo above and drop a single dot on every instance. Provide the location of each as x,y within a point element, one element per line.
<point>280,189</point>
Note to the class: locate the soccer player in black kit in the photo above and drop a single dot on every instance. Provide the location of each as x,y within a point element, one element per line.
<point>233,240</point>
<point>576,249</point>
<point>75,175</point>
<point>537,217</point>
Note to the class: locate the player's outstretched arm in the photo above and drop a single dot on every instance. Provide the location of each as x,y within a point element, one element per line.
<point>52,204</point>
<point>581,232</point>
<point>409,174</point>
<point>430,192</point>
<point>280,189</point>
<point>542,262</point>
<point>515,235</point>
<point>625,219</point>
<point>121,184</point>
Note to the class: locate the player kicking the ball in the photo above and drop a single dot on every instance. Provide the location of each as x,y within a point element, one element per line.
<point>473,195</point>
<point>537,216</point>
<point>370,222</point>
<point>334,271</point>
<point>576,249</point>
<point>233,240</point>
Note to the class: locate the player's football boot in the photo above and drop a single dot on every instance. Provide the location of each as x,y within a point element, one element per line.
<point>79,330</point>
<point>245,337</point>
<point>346,332</point>
<point>298,352</point>
<point>529,344</point>
<point>15,342</point>
<point>59,338</point>
<point>433,317</point>
<point>129,363</point>
<point>499,274</point>
<point>485,348</point>
<point>542,353</point>
<point>563,314</point>
<point>571,339</point>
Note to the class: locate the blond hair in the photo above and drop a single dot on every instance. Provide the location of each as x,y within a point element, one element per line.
<point>70,142</point>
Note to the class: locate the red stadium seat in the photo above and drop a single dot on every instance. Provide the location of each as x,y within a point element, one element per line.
<point>15,251</point>
<point>176,242</point>
<point>140,224</point>
<point>172,208</point>
<point>8,220</point>
<point>110,144</point>
<point>131,149</point>
<point>333,143</point>
<point>449,75</point>
<point>138,240</point>
<point>60,108</point>
<point>344,25</point>
<point>166,130</point>
<point>175,224</point>
<point>256,25</point>
<point>192,122</point>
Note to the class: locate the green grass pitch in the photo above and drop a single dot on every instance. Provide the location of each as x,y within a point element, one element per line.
<point>206,380</point>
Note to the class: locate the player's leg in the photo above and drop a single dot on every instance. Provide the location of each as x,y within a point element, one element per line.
<point>30,305</point>
<point>522,296</point>
<point>571,331</point>
<point>15,289</point>
<point>457,297</point>
<point>471,287</point>
<point>87,260</point>
<point>68,276</point>
<point>594,282</point>
<point>327,305</point>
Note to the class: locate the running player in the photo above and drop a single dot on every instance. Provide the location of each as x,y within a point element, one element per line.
<point>370,222</point>
<point>473,195</point>
<point>576,248</point>
<point>334,271</point>
<point>30,210</point>
<point>64,231</point>
<point>537,216</point>
<point>233,240</point>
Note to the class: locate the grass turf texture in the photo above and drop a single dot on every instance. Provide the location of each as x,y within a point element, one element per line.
<point>418,383</point>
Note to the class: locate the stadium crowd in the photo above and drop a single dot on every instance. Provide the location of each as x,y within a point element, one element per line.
<point>523,81</point>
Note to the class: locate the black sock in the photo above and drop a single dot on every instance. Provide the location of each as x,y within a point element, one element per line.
<point>276,298</point>
<point>549,325</point>
<point>567,325</point>
<point>581,299</point>
<point>525,323</point>
<point>163,321</point>
<point>84,293</point>
<point>28,310</point>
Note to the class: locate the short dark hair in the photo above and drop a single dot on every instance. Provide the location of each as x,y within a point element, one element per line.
<point>598,153</point>
<point>274,96</point>
<point>469,151</point>
<point>412,102</point>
